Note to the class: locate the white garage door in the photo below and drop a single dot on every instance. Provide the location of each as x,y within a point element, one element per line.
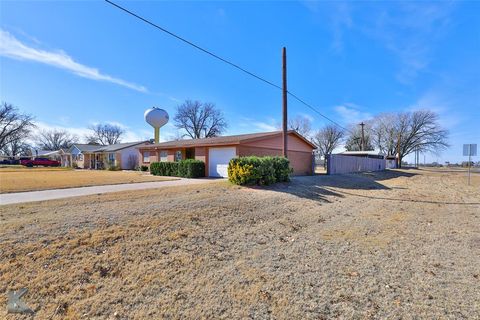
<point>218,159</point>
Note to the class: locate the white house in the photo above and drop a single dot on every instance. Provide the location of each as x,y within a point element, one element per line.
<point>92,156</point>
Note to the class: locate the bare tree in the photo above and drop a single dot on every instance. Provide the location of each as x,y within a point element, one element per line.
<point>177,136</point>
<point>354,140</point>
<point>384,131</point>
<point>17,147</point>
<point>399,134</point>
<point>420,130</point>
<point>327,139</point>
<point>54,139</point>
<point>200,120</point>
<point>14,126</point>
<point>105,134</point>
<point>301,124</point>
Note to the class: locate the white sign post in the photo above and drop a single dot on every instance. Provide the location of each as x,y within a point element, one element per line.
<point>469,150</point>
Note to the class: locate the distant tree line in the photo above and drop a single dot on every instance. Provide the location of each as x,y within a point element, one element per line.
<point>393,134</point>
<point>19,134</point>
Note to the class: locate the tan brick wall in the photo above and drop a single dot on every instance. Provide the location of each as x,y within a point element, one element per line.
<point>201,154</point>
<point>301,162</point>
<point>85,162</point>
<point>171,155</point>
<point>154,156</point>
<point>294,143</point>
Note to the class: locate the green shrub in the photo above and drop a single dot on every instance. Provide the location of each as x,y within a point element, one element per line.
<point>143,168</point>
<point>189,168</point>
<point>258,170</point>
<point>282,169</point>
<point>164,168</point>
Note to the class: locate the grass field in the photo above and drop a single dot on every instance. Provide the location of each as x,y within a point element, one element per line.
<point>29,179</point>
<point>20,168</point>
<point>401,244</point>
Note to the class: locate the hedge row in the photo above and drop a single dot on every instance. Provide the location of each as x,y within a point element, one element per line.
<point>258,170</point>
<point>189,168</point>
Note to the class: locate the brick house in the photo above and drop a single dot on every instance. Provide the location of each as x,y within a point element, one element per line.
<point>216,152</point>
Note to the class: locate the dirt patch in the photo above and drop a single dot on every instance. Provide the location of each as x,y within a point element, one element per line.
<point>31,179</point>
<point>320,247</point>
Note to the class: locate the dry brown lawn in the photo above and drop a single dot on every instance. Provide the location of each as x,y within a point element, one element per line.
<point>29,179</point>
<point>401,244</point>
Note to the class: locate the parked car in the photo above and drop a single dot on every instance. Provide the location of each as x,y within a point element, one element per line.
<point>40,162</point>
<point>9,161</point>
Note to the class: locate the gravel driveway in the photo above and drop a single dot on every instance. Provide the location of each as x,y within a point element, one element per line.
<point>399,244</point>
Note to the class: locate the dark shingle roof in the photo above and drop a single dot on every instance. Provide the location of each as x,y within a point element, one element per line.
<point>110,148</point>
<point>118,146</point>
<point>86,147</point>
<point>224,140</point>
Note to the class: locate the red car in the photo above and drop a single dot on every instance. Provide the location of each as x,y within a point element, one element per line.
<point>40,162</point>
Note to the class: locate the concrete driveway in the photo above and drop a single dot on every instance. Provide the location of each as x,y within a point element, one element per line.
<point>31,196</point>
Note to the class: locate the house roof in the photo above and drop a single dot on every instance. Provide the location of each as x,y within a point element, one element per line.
<point>118,146</point>
<point>110,148</point>
<point>226,140</point>
<point>86,147</point>
<point>40,152</point>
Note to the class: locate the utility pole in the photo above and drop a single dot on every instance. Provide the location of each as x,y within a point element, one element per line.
<point>399,162</point>
<point>416,157</point>
<point>362,141</point>
<point>284,93</point>
<point>469,161</point>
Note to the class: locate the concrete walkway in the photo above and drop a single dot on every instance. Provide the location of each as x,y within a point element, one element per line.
<point>31,196</point>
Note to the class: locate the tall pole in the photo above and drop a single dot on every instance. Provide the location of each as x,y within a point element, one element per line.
<point>362,143</point>
<point>284,93</point>
<point>469,161</point>
<point>417,157</point>
<point>399,162</point>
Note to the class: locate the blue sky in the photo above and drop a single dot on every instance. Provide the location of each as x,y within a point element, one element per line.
<point>72,63</point>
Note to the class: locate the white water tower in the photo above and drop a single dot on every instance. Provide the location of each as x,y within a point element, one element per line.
<point>157,118</point>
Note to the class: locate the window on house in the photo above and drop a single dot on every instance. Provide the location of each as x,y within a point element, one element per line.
<point>80,157</point>
<point>163,156</point>
<point>146,156</point>
<point>178,155</point>
<point>111,158</point>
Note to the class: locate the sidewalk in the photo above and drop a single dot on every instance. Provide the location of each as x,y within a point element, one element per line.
<point>31,196</point>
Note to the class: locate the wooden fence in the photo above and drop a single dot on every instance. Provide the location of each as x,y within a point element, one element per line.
<point>338,164</point>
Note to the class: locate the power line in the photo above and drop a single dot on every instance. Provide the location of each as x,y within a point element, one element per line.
<point>318,112</point>
<point>223,60</point>
<point>193,44</point>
